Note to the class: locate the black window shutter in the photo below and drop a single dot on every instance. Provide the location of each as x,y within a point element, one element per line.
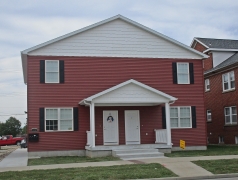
<point>42,119</point>
<point>42,71</point>
<point>76,123</point>
<point>194,123</point>
<point>61,70</point>
<point>191,73</point>
<point>174,68</point>
<point>163,118</point>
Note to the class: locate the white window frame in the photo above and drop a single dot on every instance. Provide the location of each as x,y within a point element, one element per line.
<point>49,71</point>
<point>221,139</point>
<point>58,109</point>
<point>229,81</point>
<point>207,85</point>
<point>230,115</point>
<point>183,73</point>
<point>209,114</point>
<point>179,125</point>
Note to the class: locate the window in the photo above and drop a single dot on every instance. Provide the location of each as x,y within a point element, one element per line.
<point>209,115</point>
<point>183,73</point>
<point>59,119</point>
<point>228,80</point>
<point>180,117</point>
<point>51,71</point>
<point>221,139</point>
<point>236,139</point>
<point>230,115</point>
<point>207,85</point>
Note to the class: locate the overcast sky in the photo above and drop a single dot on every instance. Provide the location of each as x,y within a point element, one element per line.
<point>26,23</point>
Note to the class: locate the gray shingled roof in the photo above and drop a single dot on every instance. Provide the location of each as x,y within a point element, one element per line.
<point>230,61</point>
<point>219,43</point>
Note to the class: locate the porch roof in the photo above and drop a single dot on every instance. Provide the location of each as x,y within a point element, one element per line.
<point>129,93</point>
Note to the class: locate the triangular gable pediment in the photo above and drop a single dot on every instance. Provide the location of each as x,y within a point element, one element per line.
<point>116,37</point>
<point>130,92</point>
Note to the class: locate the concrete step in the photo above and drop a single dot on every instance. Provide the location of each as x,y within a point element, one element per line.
<point>137,154</point>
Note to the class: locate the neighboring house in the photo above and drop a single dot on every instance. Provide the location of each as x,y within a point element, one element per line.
<point>113,85</point>
<point>221,96</point>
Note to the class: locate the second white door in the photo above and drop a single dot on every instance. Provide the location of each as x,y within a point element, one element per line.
<point>132,126</point>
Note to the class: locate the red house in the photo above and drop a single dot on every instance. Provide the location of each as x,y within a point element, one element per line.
<point>113,86</point>
<point>221,97</point>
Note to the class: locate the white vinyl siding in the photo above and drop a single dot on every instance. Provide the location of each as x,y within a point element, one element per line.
<point>228,81</point>
<point>58,119</point>
<point>207,85</point>
<point>52,71</point>
<point>209,115</point>
<point>183,73</point>
<point>116,39</point>
<point>230,115</point>
<point>180,117</point>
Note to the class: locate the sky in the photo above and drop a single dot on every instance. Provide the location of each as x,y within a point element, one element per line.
<point>26,23</point>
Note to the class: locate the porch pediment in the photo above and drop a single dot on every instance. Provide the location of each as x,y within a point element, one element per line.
<point>129,93</point>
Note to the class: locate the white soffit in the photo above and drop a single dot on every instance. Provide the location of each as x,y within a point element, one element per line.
<point>129,92</point>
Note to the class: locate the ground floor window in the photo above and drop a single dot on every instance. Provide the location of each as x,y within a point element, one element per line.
<point>180,117</point>
<point>236,139</point>
<point>59,119</point>
<point>221,139</point>
<point>230,115</point>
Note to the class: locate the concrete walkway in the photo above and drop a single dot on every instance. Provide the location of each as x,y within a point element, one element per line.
<point>182,166</point>
<point>17,158</point>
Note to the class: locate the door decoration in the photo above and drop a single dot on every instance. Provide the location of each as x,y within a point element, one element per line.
<point>110,118</point>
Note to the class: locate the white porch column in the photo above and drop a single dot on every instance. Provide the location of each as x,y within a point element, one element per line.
<point>92,124</point>
<point>168,128</point>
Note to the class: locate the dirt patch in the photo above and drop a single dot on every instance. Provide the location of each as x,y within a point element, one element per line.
<point>5,150</point>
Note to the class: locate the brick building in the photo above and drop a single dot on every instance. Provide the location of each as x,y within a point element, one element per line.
<point>221,95</point>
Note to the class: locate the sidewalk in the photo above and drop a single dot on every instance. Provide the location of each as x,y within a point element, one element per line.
<point>182,166</point>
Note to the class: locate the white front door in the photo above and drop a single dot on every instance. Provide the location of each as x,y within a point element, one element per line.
<point>132,126</point>
<point>110,128</point>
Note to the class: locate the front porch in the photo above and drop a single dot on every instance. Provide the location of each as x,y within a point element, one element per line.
<point>137,109</point>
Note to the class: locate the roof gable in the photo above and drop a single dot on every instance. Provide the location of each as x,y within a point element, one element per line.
<point>130,91</point>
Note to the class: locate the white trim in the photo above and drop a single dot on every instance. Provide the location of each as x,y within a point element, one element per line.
<point>92,123</point>
<point>195,39</point>
<point>89,99</point>
<point>58,118</point>
<point>230,115</point>
<point>209,114</point>
<point>219,49</point>
<point>236,139</point>
<point>187,72</point>
<point>58,72</point>
<point>126,128</point>
<point>179,125</point>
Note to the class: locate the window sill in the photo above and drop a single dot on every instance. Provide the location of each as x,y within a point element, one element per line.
<point>230,90</point>
<point>228,125</point>
<point>181,127</point>
<point>207,90</point>
<point>60,131</point>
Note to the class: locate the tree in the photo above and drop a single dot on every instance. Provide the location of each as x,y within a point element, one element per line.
<point>24,129</point>
<point>11,127</point>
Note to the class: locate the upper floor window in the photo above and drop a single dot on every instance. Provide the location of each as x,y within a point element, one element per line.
<point>183,73</point>
<point>230,115</point>
<point>228,81</point>
<point>51,71</point>
<point>180,117</point>
<point>209,115</point>
<point>207,85</point>
<point>59,119</point>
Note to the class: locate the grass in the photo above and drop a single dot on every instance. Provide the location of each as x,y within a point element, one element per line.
<point>222,166</point>
<point>212,150</point>
<point>68,159</point>
<point>134,171</point>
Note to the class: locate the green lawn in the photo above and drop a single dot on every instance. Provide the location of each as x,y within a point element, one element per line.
<point>68,159</point>
<point>212,150</point>
<point>134,171</point>
<point>223,166</point>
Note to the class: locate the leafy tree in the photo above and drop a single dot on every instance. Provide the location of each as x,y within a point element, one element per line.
<point>24,129</point>
<point>11,127</point>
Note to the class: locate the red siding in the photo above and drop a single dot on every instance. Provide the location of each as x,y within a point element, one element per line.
<point>216,100</point>
<point>87,76</point>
